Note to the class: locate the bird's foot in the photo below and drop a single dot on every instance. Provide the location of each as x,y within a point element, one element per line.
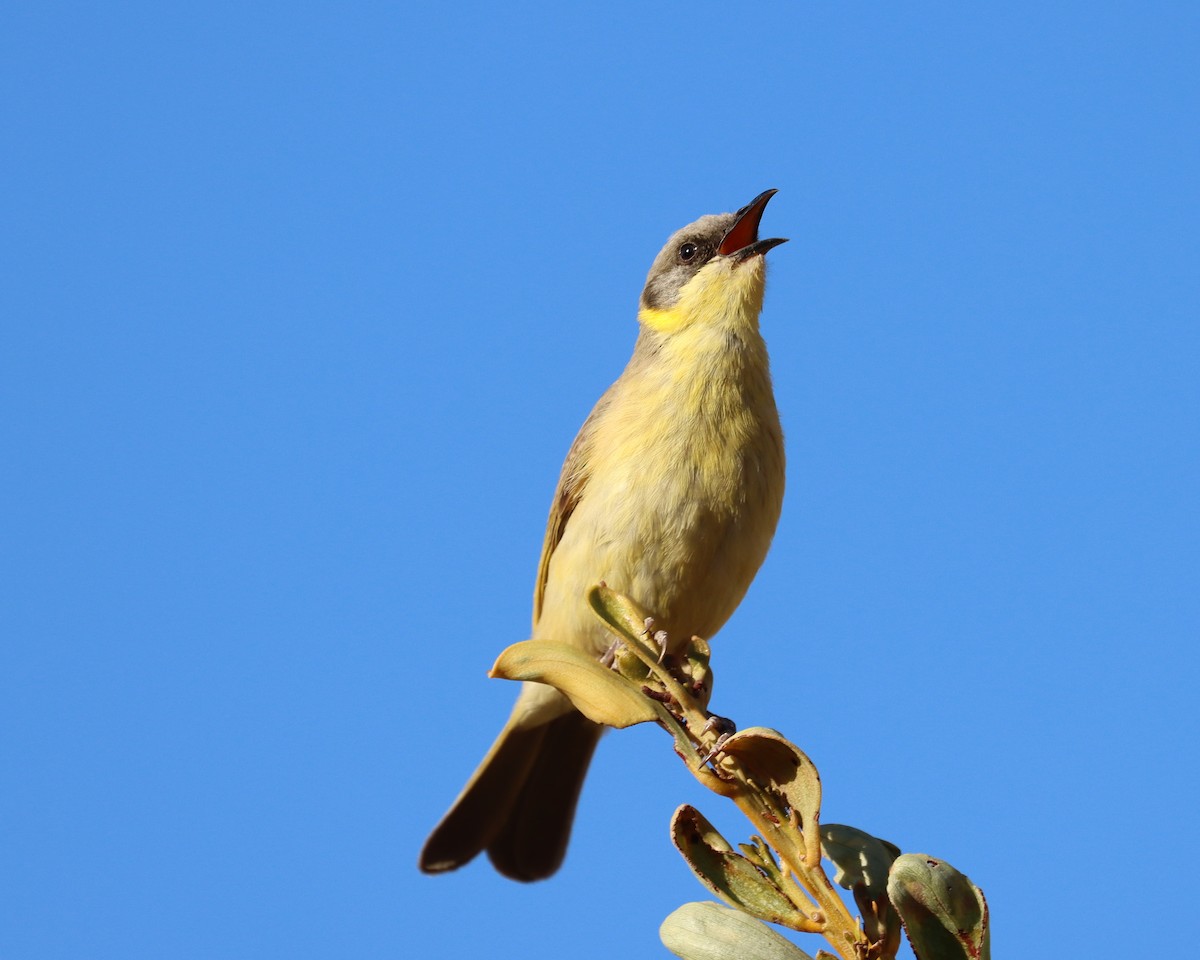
<point>725,728</point>
<point>657,637</point>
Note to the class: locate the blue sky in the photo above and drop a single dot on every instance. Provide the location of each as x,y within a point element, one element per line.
<point>303,306</point>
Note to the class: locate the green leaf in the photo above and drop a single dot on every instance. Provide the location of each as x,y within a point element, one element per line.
<point>621,615</point>
<point>863,862</point>
<point>709,931</point>
<point>697,668</point>
<point>944,914</point>
<point>861,859</point>
<point>729,875</point>
<point>597,692</point>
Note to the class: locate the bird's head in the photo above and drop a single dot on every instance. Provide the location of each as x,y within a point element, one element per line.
<point>712,272</point>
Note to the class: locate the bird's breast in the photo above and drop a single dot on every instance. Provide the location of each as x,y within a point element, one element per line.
<point>684,492</point>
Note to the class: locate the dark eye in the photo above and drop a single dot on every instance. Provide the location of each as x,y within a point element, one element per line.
<point>688,251</point>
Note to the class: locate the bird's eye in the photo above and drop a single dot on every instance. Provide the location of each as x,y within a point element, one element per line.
<point>688,251</point>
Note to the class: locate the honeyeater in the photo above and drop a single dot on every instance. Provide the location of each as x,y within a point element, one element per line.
<point>670,495</point>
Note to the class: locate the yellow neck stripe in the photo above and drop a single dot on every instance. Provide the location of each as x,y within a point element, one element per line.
<point>664,321</point>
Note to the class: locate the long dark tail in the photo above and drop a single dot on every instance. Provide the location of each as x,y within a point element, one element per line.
<point>520,802</point>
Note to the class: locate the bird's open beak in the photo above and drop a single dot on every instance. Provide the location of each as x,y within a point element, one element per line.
<point>741,241</point>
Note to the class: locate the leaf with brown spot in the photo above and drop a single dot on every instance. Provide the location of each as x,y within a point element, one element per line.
<point>729,875</point>
<point>774,762</point>
<point>945,915</point>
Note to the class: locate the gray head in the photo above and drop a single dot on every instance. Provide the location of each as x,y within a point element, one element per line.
<point>730,235</point>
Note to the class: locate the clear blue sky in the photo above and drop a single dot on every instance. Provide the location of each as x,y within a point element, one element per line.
<point>303,304</point>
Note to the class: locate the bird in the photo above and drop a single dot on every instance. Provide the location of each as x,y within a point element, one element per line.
<point>670,495</point>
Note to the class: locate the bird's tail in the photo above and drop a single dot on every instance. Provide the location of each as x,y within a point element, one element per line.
<point>520,802</point>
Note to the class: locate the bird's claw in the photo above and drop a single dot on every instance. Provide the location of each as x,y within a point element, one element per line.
<point>657,637</point>
<point>725,728</point>
<point>660,641</point>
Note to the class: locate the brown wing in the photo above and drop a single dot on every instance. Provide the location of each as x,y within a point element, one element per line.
<point>572,482</point>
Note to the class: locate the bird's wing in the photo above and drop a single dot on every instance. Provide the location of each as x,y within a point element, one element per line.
<point>572,482</point>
